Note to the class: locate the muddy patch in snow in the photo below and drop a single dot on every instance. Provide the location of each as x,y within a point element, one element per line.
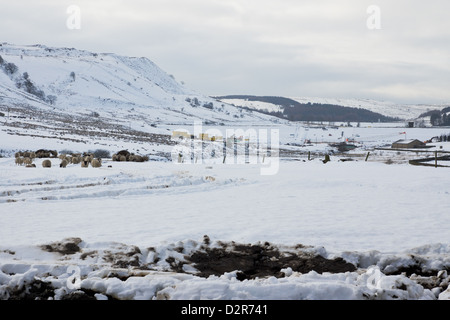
<point>67,246</point>
<point>125,272</point>
<point>262,260</point>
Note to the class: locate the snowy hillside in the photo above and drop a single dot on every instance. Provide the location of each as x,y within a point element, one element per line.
<point>257,105</point>
<point>106,83</point>
<point>386,108</point>
<point>64,98</point>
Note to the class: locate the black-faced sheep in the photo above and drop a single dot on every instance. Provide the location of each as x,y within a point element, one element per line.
<point>84,163</point>
<point>88,156</point>
<point>63,163</point>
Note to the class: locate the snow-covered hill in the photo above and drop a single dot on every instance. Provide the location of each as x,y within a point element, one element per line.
<point>65,94</point>
<point>107,83</point>
<point>386,108</point>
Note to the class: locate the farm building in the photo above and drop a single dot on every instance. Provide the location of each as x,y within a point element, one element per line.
<point>408,144</point>
<point>180,135</point>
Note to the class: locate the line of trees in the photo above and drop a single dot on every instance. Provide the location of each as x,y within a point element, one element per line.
<point>438,117</point>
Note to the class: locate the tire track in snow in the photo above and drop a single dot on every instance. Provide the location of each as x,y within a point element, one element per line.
<point>114,186</point>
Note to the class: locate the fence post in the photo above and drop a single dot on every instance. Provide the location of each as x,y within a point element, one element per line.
<point>435,159</point>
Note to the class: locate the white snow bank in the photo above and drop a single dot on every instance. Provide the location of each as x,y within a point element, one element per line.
<point>92,270</point>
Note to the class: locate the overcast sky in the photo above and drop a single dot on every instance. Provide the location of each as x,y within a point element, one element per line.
<point>322,48</point>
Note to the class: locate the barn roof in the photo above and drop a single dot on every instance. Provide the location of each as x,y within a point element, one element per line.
<point>407,141</point>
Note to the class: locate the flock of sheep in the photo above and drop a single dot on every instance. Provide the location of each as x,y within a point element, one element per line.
<point>125,155</point>
<point>26,158</point>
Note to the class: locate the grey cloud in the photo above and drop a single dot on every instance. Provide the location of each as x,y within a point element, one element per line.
<point>287,47</point>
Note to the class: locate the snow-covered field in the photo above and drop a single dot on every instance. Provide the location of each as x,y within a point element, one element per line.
<point>132,230</point>
<point>354,228</point>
